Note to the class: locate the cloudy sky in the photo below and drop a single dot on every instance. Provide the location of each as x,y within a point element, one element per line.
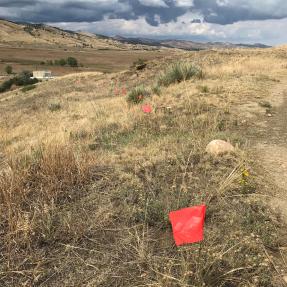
<point>246,21</point>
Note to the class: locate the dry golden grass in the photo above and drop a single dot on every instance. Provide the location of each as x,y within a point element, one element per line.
<point>87,180</point>
<point>108,61</point>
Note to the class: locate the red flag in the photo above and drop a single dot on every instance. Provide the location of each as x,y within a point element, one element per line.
<point>124,91</point>
<point>147,109</point>
<point>188,224</point>
<point>116,92</point>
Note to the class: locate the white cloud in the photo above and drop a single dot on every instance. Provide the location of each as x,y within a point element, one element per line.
<point>222,2</point>
<point>153,3</point>
<point>268,31</point>
<point>184,3</point>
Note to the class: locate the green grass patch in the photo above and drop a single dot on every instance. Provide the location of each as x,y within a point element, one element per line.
<point>138,95</point>
<point>178,72</point>
<point>28,88</point>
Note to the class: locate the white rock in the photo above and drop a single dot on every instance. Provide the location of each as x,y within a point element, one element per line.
<point>218,147</point>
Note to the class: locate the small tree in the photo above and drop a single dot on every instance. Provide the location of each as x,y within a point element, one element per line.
<point>72,62</point>
<point>9,70</point>
<point>24,79</point>
<point>62,62</point>
<point>139,64</point>
<point>50,62</point>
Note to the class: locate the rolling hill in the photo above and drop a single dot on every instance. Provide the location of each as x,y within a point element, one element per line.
<point>186,45</point>
<point>27,46</point>
<point>41,35</point>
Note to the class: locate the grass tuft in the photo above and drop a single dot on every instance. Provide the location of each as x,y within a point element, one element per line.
<point>28,88</point>
<point>54,107</point>
<point>138,95</point>
<point>178,72</point>
<point>156,90</point>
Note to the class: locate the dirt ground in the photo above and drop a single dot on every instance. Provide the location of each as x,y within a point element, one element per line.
<point>268,139</point>
<point>267,143</point>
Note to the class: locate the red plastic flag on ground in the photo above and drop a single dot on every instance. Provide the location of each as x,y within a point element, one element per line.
<point>188,224</point>
<point>147,109</point>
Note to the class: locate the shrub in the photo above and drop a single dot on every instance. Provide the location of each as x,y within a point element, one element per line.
<point>29,30</point>
<point>137,95</point>
<point>6,86</point>
<point>179,72</point>
<point>28,88</point>
<point>72,62</point>
<point>24,79</point>
<point>203,89</point>
<point>9,70</point>
<point>62,62</point>
<point>156,90</point>
<point>50,63</point>
<point>139,64</point>
<point>54,107</point>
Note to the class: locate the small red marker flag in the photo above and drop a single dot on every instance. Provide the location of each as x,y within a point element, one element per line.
<point>188,224</point>
<point>116,92</point>
<point>124,91</point>
<point>147,109</point>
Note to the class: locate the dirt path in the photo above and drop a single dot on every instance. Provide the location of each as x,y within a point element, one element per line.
<point>267,134</point>
<point>271,147</point>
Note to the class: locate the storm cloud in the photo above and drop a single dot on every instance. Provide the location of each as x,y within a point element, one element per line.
<point>155,12</point>
<point>210,20</point>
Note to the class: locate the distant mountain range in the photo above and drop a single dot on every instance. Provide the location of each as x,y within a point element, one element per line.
<point>185,44</point>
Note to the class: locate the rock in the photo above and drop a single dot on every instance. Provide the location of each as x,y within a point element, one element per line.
<point>265,104</point>
<point>134,76</point>
<point>285,278</point>
<point>269,115</point>
<point>218,147</point>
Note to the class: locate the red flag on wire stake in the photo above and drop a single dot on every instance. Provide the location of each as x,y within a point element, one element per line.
<point>147,109</point>
<point>124,91</point>
<point>188,224</point>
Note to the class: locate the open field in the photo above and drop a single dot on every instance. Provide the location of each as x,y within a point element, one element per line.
<point>93,60</point>
<point>25,46</point>
<point>87,179</point>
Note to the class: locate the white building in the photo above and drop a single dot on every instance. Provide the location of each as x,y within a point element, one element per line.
<point>42,75</point>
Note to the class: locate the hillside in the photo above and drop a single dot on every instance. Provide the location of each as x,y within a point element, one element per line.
<point>185,44</point>
<point>41,35</point>
<point>37,47</point>
<point>87,179</point>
